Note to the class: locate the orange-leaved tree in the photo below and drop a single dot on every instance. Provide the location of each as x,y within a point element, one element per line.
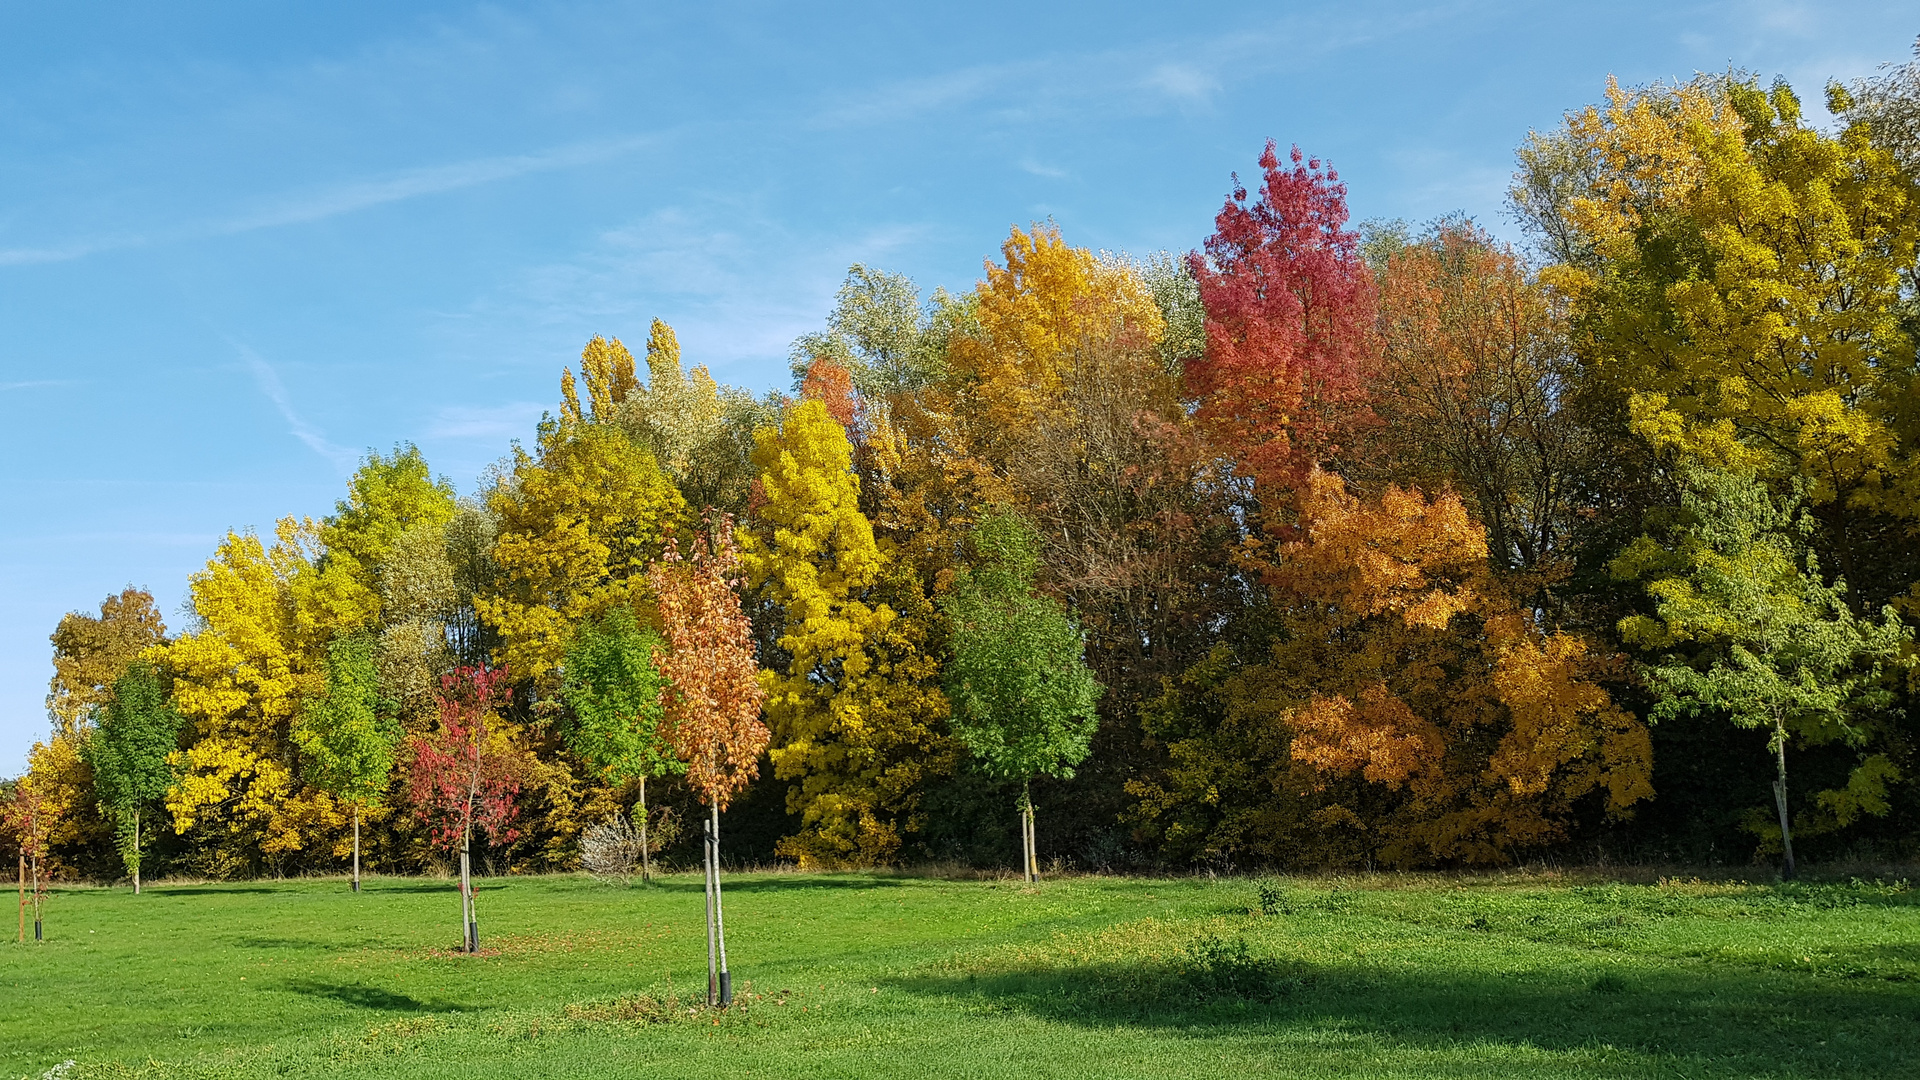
<point>713,696</point>
<point>1411,712</point>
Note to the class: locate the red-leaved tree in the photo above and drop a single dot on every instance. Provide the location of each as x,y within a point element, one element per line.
<point>466,776</point>
<point>713,699</point>
<point>1289,307</point>
<point>29,817</point>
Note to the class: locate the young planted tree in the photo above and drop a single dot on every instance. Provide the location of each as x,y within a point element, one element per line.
<point>614,685</point>
<point>465,776</point>
<point>1023,696</point>
<point>713,699</point>
<point>346,739</point>
<point>128,750</point>
<point>1744,626</point>
<point>30,818</point>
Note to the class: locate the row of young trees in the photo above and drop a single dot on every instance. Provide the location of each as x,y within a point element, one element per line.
<point>1319,546</point>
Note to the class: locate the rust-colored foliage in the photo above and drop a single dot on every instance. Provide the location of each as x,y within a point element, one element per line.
<point>1289,313</point>
<point>832,385</point>
<point>714,694</point>
<point>1471,390</point>
<point>1425,679</point>
<point>1410,712</point>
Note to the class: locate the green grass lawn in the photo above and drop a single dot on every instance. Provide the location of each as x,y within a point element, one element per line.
<point>876,975</point>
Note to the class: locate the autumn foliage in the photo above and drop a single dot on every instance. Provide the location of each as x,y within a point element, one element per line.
<point>713,695</point>
<point>1343,545</point>
<point>466,775</point>
<point>1289,308</point>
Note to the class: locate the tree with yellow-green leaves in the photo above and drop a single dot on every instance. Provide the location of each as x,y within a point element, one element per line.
<point>856,709</point>
<point>90,655</point>
<point>699,431</point>
<point>1737,278</point>
<point>578,524</point>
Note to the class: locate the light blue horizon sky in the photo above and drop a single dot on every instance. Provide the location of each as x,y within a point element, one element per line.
<point>241,244</point>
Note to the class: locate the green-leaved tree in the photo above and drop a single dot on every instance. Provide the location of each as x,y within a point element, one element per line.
<point>613,684</point>
<point>346,738</point>
<point>1023,696</point>
<point>1745,627</point>
<point>128,748</point>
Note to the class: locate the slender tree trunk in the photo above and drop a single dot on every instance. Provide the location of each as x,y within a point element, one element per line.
<point>1020,812</point>
<point>136,853</point>
<point>469,925</point>
<point>713,973</point>
<point>23,899</point>
<point>720,915</point>
<point>37,913</point>
<point>1029,872</point>
<point>1780,799</point>
<point>356,849</point>
<point>646,857</point>
<point>1033,842</point>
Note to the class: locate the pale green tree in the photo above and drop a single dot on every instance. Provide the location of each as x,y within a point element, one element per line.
<point>1745,628</point>
<point>1023,696</point>
<point>613,684</point>
<point>128,747</point>
<point>346,739</point>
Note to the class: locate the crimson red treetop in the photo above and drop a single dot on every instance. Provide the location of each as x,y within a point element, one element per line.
<point>1290,309</point>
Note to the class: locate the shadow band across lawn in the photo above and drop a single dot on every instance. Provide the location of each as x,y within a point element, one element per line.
<point>372,997</point>
<point>1719,1024</point>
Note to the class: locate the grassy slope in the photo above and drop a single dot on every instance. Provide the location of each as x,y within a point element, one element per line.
<point>904,976</point>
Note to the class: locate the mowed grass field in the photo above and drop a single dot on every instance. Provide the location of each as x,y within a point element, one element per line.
<point>857,975</point>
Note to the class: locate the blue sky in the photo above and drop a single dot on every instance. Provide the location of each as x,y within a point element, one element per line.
<point>241,244</point>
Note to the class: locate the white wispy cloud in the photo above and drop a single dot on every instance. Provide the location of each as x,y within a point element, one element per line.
<point>276,392</point>
<point>1188,83</point>
<point>1145,77</point>
<point>512,420</point>
<point>317,204</point>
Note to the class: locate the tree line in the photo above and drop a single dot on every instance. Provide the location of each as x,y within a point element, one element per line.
<point>1319,546</point>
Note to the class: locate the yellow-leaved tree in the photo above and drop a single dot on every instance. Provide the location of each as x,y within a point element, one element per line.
<point>578,525</point>
<point>856,713</point>
<point>1034,314</point>
<point>239,677</point>
<point>699,431</point>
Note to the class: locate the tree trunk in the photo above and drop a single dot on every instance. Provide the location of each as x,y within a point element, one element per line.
<point>1020,812</point>
<point>713,974</point>
<point>1029,869</point>
<point>646,859</point>
<point>1033,842</point>
<point>720,915</point>
<point>23,899</point>
<point>469,925</point>
<point>1780,800</point>
<point>356,849</point>
<point>136,853</point>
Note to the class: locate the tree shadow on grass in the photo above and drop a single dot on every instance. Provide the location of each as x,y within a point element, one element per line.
<point>372,997</point>
<point>1706,1023</point>
<point>774,884</point>
<point>210,890</point>
<point>797,883</point>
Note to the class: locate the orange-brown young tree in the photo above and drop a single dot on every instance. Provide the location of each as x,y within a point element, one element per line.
<point>713,698</point>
